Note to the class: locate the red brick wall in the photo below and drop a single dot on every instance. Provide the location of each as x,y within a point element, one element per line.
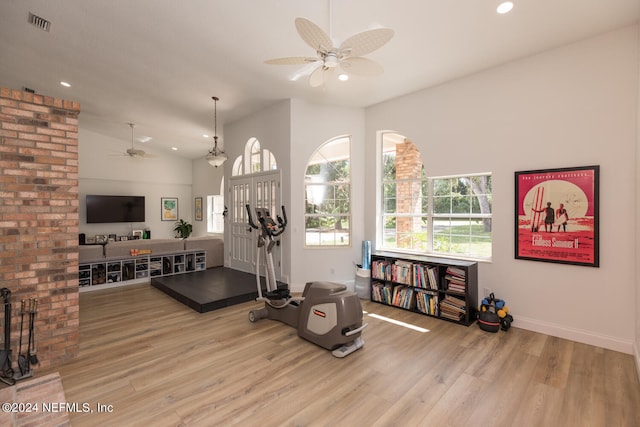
<point>39,219</point>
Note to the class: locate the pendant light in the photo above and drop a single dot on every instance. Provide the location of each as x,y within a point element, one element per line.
<point>215,157</point>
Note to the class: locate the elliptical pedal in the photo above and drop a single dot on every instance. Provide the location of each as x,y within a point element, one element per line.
<point>278,294</point>
<point>347,349</point>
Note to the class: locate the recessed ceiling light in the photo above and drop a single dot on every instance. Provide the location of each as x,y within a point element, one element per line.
<point>174,148</point>
<point>343,77</point>
<point>504,7</point>
<point>204,135</point>
<point>65,84</point>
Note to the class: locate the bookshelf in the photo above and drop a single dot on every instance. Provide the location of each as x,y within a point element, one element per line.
<point>440,287</point>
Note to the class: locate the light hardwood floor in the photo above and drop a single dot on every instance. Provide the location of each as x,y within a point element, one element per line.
<point>159,363</point>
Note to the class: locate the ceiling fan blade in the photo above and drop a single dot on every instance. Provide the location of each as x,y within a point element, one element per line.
<point>313,35</point>
<point>319,76</point>
<point>291,60</point>
<point>306,70</point>
<point>135,153</point>
<point>366,42</point>
<point>361,66</point>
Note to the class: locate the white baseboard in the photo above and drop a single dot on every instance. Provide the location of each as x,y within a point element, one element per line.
<point>578,335</point>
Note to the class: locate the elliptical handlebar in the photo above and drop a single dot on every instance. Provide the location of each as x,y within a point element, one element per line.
<point>268,224</point>
<point>251,223</point>
<point>282,223</point>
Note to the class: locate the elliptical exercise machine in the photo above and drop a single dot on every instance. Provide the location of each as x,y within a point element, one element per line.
<point>326,314</point>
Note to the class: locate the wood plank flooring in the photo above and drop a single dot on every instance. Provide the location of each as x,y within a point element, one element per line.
<point>159,363</point>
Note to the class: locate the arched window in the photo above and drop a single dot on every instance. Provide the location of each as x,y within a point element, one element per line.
<point>255,159</point>
<point>236,169</point>
<point>328,195</point>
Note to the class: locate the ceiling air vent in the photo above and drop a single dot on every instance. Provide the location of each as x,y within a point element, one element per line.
<point>39,22</point>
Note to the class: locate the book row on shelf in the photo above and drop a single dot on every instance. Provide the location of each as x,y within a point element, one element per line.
<point>420,275</point>
<point>424,301</point>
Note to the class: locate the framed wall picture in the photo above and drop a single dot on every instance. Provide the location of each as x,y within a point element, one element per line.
<point>557,215</point>
<point>198,209</point>
<point>169,208</point>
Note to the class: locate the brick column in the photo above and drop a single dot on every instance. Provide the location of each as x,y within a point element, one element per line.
<point>408,194</point>
<point>39,219</point>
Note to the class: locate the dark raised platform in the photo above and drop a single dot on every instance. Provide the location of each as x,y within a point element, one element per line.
<point>209,290</point>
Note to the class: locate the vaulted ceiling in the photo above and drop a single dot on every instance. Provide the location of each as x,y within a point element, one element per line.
<point>157,63</point>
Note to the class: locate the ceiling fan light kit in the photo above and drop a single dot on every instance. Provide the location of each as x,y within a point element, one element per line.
<point>215,157</point>
<point>504,7</point>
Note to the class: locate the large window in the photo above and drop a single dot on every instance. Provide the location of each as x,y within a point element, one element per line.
<point>444,215</point>
<point>328,195</point>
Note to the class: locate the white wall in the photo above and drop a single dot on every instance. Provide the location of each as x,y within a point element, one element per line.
<point>313,125</point>
<point>104,170</point>
<point>572,106</point>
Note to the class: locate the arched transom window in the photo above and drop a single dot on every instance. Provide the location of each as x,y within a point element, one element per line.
<point>255,159</point>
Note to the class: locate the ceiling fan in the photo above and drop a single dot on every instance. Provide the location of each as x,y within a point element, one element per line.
<point>134,152</point>
<point>348,56</point>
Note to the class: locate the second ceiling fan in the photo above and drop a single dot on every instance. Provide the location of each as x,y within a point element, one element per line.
<point>348,56</point>
<point>135,152</point>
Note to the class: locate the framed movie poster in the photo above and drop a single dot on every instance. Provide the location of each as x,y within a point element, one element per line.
<point>556,215</point>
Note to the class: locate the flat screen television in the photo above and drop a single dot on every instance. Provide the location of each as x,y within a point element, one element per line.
<point>102,209</point>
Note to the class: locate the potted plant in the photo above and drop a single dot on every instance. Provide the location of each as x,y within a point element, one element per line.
<point>183,229</point>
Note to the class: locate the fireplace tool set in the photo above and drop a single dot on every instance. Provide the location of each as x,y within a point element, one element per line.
<point>25,359</point>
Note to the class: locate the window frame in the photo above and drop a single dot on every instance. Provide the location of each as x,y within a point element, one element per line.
<point>215,217</point>
<point>469,216</point>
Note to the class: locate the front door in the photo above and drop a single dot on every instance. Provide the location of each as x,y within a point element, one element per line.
<point>260,190</point>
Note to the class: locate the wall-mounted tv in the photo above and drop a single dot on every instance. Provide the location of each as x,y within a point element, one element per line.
<point>114,209</point>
